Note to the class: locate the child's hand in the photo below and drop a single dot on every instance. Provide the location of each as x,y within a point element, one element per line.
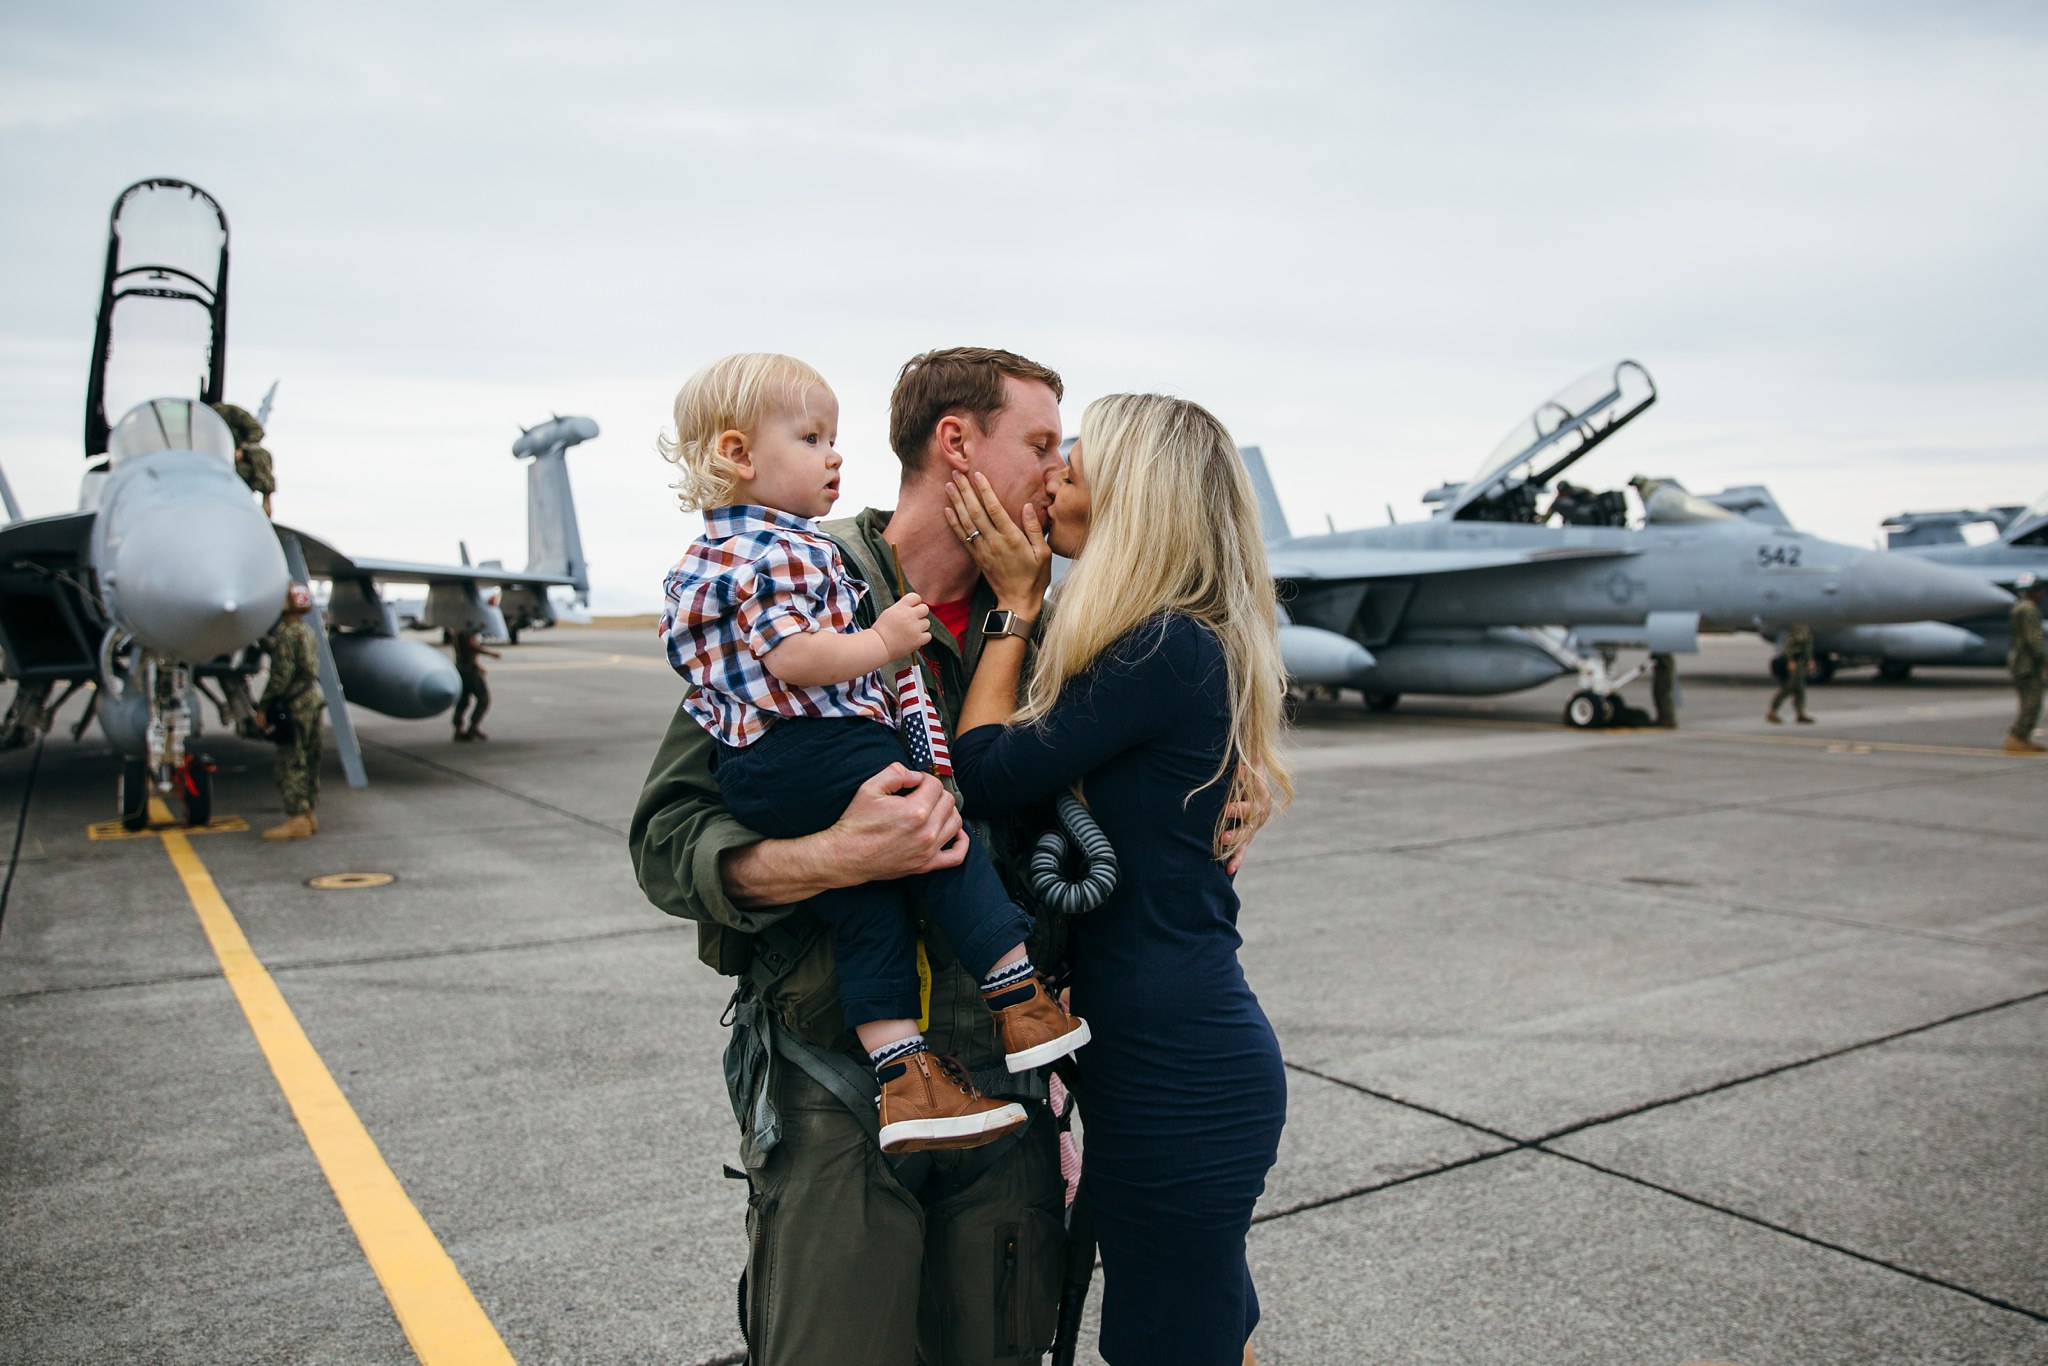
<point>906,626</point>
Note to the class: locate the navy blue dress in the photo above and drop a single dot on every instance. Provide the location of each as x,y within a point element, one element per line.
<point>1184,1093</point>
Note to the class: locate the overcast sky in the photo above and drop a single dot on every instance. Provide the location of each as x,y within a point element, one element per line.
<point>1370,237</point>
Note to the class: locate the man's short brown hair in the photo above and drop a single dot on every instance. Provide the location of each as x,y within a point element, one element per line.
<point>960,380</point>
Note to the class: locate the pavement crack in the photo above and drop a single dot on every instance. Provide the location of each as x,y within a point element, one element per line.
<point>1781,1068</point>
<point>1808,1238</point>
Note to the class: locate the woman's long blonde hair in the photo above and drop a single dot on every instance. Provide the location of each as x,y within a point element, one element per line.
<point>1173,527</point>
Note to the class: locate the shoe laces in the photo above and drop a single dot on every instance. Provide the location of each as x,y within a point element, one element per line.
<point>957,1074</point>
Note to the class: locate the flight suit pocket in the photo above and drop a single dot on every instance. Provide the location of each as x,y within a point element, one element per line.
<point>1026,1258</point>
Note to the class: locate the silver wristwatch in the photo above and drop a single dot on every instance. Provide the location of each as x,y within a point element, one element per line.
<point>1003,622</point>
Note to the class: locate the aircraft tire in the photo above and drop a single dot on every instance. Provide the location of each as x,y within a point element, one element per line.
<point>134,794</point>
<point>1891,671</point>
<point>1382,701</point>
<point>511,635</point>
<point>1585,710</point>
<point>1615,707</point>
<point>199,797</point>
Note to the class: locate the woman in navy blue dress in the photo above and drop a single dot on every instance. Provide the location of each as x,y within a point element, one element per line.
<point>1156,693</point>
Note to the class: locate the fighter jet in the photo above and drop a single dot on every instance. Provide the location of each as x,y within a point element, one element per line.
<point>1487,597</point>
<point>1936,537</point>
<point>168,574</point>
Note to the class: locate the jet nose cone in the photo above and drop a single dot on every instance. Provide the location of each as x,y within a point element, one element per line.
<point>198,578</point>
<point>1890,587</point>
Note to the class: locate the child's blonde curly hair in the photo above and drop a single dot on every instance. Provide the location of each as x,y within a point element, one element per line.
<point>733,394</point>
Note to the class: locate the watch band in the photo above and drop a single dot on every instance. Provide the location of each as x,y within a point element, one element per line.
<point>1003,622</point>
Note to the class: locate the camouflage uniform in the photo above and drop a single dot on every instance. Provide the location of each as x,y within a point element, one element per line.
<point>1797,649</point>
<point>2026,661</point>
<point>252,461</point>
<point>295,675</point>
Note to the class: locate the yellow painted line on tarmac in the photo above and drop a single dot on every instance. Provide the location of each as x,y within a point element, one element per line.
<point>434,1305</point>
<point>591,662</point>
<point>1837,744</point>
<point>1844,745</point>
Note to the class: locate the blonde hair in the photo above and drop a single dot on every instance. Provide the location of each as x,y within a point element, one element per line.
<point>1174,527</point>
<point>734,394</point>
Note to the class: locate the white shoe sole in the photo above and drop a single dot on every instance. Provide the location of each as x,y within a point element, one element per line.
<point>993,1123</point>
<point>1050,1051</point>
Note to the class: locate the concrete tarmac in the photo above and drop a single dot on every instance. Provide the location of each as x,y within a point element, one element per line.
<point>1639,1048</point>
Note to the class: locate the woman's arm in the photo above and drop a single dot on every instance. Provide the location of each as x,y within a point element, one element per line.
<point>1015,562</point>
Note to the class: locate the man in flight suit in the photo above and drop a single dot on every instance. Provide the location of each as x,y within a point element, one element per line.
<point>291,707</point>
<point>857,1259</point>
<point>2027,658</point>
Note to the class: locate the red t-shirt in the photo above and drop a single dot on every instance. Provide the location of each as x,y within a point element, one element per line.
<point>953,616</point>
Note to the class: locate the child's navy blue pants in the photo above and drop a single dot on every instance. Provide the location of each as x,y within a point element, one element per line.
<point>796,780</point>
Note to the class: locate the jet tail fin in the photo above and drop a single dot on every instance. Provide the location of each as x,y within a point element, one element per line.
<point>554,541</point>
<point>1271,518</point>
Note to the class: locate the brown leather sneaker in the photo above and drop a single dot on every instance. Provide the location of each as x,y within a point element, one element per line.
<point>928,1102</point>
<point>1035,1030</point>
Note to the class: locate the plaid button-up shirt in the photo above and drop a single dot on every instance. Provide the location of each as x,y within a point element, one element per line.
<point>756,577</point>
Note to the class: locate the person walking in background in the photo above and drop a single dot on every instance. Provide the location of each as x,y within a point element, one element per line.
<point>1796,649</point>
<point>2027,658</point>
<point>469,648</point>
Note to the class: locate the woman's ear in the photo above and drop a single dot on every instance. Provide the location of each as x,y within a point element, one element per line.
<point>733,446</point>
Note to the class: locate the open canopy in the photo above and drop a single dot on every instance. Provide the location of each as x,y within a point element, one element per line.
<point>163,324</point>
<point>1553,438</point>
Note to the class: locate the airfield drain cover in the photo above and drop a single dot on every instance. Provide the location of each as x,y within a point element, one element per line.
<point>350,882</point>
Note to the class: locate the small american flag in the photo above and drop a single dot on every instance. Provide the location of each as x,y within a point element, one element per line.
<point>920,723</point>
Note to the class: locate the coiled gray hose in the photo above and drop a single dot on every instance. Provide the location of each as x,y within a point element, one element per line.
<point>1077,842</point>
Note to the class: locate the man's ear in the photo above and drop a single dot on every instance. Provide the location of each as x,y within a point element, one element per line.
<point>953,440</point>
<point>734,446</point>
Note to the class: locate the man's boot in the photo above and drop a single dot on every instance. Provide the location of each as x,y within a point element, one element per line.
<point>1772,717</point>
<point>296,827</point>
<point>313,819</point>
<point>2015,745</point>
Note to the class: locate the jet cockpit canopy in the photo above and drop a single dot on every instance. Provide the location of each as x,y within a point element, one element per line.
<point>163,320</point>
<point>170,424</point>
<point>2031,526</point>
<point>1549,441</point>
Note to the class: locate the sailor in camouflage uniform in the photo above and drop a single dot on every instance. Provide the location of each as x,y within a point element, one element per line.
<point>252,461</point>
<point>295,684</point>
<point>2027,659</point>
<point>1797,649</point>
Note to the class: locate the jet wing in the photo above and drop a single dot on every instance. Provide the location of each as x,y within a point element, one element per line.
<point>323,561</point>
<point>1329,563</point>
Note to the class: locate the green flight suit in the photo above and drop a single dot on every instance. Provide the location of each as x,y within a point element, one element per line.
<point>2026,659</point>
<point>1797,649</point>
<point>295,676</point>
<point>848,1265</point>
